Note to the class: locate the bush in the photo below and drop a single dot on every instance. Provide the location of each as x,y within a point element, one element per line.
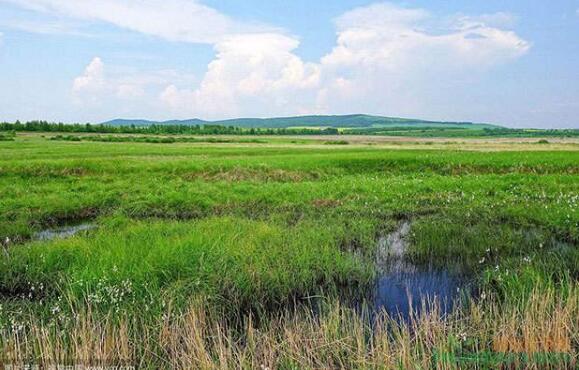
<point>337,142</point>
<point>8,136</point>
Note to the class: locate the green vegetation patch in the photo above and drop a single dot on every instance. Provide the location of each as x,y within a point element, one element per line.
<point>230,260</point>
<point>187,233</point>
<point>154,139</point>
<point>337,142</point>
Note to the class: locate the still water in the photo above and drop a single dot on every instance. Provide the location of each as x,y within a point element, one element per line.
<point>62,232</point>
<point>402,287</point>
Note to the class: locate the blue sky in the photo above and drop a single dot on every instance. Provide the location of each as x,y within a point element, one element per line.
<point>509,62</point>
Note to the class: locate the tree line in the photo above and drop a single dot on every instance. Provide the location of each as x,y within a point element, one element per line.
<point>44,126</point>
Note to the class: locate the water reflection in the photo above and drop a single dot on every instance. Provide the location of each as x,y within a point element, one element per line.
<point>402,287</point>
<point>62,232</point>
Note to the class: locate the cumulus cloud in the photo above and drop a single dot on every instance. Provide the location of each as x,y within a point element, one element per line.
<point>385,51</point>
<point>390,37</point>
<point>387,59</point>
<point>92,79</point>
<point>259,70</point>
<point>174,20</point>
<point>90,86</point>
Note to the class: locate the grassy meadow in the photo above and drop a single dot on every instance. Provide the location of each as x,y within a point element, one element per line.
<point>209,253</point>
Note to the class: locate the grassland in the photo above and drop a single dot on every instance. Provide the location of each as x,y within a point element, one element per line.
<point>206,254</point>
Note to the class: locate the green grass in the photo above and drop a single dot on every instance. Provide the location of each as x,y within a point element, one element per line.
<point>231,261</point>
<point>259,227</point>
<point>7,136</point>
<point>51,183</point>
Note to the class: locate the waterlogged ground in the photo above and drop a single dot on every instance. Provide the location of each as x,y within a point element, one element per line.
<point>144,230</point>
<point>404,288</point>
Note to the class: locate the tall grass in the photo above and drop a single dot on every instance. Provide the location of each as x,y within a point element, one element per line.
<point>236,262</point>
<point>538,334</point>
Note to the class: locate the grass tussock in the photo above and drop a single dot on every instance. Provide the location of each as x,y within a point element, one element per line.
<point>238,174</point>
<point>337,142</point>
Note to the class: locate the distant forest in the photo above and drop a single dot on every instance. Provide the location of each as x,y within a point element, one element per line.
<point>44,126</point>
<point>205,129</point>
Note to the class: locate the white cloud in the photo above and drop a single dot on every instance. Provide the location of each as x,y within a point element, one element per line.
<point>499,20</point>
<point>174,20</point>
<point>381,16</point>
<point>260,70</point>
<point>92,80</point>
<point>44,27</point>
<point>101,85</point>
<point>387,59</point>
<point>388,36</point>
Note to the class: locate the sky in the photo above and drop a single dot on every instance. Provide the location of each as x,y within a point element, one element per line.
<point>514,63</point>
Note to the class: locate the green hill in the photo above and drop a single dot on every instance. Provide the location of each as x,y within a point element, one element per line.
<point>344,121</point>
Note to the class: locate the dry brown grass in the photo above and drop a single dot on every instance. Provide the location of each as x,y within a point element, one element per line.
<point>544,326</point>
<point>338,338</point>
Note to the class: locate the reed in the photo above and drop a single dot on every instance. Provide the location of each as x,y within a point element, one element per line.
<point>539,333</point>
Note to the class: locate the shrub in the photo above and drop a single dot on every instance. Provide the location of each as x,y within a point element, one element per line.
<point>337,142</point>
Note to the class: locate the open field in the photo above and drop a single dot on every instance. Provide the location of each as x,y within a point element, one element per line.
<point>394,142</point>
<point>264,254</point>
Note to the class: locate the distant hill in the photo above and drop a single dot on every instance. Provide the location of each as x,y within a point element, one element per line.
<point>144,122</point>
<point>345,121</point>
